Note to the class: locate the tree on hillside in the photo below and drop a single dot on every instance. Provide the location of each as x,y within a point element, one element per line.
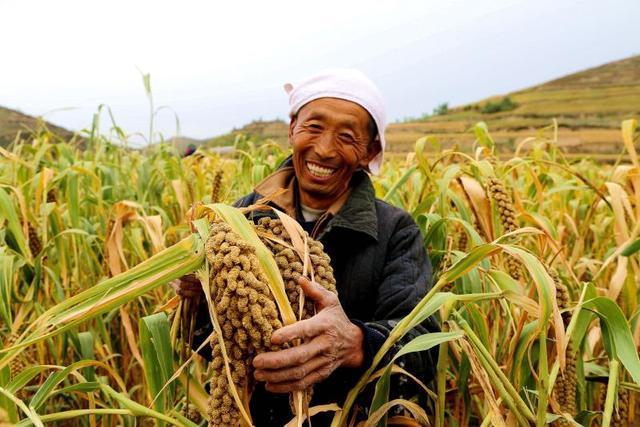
<point>441,109</point>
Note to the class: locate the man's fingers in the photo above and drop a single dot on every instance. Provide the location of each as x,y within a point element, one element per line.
<point>187,286</point>
<point>305,329</point>
<point>291,356</point>
<point>295,373</point>
<point>316,292</point>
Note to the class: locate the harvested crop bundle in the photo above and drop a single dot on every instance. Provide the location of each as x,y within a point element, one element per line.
<point>246,314</point>
<point>290,264</point>
<point>245,308</point>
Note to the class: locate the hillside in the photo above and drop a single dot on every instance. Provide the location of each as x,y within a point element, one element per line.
<point>588,105</point>
<point>258,129</point>
<point>11,122</point>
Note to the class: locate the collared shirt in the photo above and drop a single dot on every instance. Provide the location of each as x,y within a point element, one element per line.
<point>310,214</point>
<point>281,190</point>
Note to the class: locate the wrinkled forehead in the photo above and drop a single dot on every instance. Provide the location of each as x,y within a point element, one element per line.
<point>347,112</point>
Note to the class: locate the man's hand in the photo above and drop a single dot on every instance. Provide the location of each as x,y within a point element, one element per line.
<point>187,286</point>
<point>330,341</point>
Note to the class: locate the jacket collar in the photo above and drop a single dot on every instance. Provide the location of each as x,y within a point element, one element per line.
<point>355,210</point>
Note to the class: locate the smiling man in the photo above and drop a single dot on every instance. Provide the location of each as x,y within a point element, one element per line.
<point>377,252</point>
<point>331,139</point>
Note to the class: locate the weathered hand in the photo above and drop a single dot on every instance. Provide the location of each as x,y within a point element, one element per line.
<point>187,286</point>
<point>330,341</point>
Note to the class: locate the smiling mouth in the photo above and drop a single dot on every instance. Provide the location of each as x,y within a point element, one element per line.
<point>320,171</point>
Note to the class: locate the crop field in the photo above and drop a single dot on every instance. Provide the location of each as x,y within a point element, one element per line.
<point>536,280</point>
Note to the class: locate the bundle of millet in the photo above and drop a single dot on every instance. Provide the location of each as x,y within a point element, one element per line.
<point>245,308</point>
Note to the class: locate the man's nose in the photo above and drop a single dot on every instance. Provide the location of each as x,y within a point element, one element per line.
<point>325,145</point>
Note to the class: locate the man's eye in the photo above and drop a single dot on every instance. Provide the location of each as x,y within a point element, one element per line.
<point>315,127</point>
<point>346,137</point>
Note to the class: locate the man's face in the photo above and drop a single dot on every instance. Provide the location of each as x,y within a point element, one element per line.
<point>330,139</point>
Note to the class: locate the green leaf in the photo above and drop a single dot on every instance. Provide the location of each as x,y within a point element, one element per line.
<point>427,341</point>
<point>505,282</point>
<point>146,80</point>
<point>26,375</point>
<point>73,204</point>
<point>400,182</point>
<point>435,227</point>
<point>584,318</point>
<point>182,258</point>
<point>157,354</point>
<point>423,163</point>
<point>85,339</point>
<point>482,134</point>
<point>8,213</point>
<point>421,343</point>
<point>471,260</point>
<point>81,387</point>
<point>542,280</point>
<point>520,364</point>
<point>5,402</point>
<point>617,330</point>
<point>478,319</point>
<point>425,308</point>
<point>141,410</point>
<point>28,411</point>
<point>631,249</point>
<point>47,388</point>
<point>7,270</point>
<point>612,392</point>
<point>258,173</point>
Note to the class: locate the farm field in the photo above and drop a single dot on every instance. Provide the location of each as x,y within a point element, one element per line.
<point>536,281</point>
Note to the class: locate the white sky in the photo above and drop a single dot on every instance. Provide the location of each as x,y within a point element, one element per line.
<point>221,64</point>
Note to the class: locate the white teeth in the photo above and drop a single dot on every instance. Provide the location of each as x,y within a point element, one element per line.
<point>319,170</point>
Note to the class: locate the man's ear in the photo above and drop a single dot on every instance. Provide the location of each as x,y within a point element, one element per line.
<point>292,124</point>
<point>372,150</point>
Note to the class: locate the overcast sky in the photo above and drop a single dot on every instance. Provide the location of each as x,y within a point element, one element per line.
<point>220,64</point>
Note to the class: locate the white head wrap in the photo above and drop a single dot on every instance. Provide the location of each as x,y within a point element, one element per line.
<point>348,84</point>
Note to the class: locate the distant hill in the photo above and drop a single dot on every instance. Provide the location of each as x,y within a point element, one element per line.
<point>588,105</point>
<point>258,129</point>
<point>11,122</point>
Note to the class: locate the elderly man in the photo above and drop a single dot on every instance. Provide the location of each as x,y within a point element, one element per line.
<point>377,252</point>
